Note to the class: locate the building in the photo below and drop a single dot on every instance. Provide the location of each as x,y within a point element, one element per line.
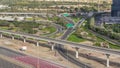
<point>115,10</point>
<point>4,6</point>
<point>88,1</point>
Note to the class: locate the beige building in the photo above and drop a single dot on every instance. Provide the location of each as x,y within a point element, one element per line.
<point>89,1</point>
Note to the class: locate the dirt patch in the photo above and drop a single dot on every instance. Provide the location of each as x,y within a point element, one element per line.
<point>38,51</point>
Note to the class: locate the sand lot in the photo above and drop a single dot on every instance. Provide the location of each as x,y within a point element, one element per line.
<point>46,53</point>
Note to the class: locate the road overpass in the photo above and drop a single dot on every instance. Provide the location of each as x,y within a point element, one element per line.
<point>63,42</point>
<point>106,51</point>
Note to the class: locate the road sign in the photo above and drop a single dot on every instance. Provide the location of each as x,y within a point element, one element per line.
<point>65,14</point>
<point>69,25</point>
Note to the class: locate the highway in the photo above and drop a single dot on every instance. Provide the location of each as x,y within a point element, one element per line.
<point>5,54</point>
<point>67,33</point>
<point>58,27</point>
<point>26,59</point>
<point>64,52</point>
<point>6,64</point>
<point>9,53</point>
<point>79,23</point>
<point>64,42</point>
<point>106,38</point>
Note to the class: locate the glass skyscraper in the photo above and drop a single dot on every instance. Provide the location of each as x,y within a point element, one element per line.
<point>115,11</point>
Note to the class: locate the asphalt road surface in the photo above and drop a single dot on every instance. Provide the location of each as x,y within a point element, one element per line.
<point>6,64</point>
<point>63,51</point>
<point>87,47</point>
<point>26,59</point>
<point>67,33</point>
<point>9,53</point>
<point>66,55</point>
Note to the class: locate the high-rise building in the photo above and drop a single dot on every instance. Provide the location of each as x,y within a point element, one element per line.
<point>115,10</point>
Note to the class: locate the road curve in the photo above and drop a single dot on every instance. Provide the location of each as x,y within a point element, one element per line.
<point>64,42</point>
<point>66,55</point>
<point>63,51</point>
<point>58,27</point>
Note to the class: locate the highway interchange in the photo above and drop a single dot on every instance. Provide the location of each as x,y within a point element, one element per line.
<point>64,42</point>
<point>63,51</point>
<point>65,35</point>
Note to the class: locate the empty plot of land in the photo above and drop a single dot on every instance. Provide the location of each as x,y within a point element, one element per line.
<point>41,51</point>
<point>36,62</point>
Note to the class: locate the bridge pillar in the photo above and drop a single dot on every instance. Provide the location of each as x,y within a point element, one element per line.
<point>37,44</point>
<point>1,35</point>
<point>108,61</point>
<point>77,53</point>
<point>24,40</point>
<point>52,46</point>
<point>13,37</point>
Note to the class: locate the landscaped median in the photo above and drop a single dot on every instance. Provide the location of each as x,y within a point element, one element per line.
<point>84,34</point>
<point>28,27</point>
<point>50,29</point>
<point>97,39</point>
<point>74,38</point>
<point>76,19</point>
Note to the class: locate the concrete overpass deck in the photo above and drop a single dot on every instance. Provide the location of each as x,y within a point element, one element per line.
<point>63,42</point>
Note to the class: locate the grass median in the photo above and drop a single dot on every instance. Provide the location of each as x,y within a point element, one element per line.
<point>74,38</point>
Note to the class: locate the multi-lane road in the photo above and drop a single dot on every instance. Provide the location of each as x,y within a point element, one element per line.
<point>59,29</point>
<point>57,26</point>
<point>63,42</point>
<point>7,53</point>
<point>103,50</point>
<point>27,59</point>
<point>106,38</point>
<point>63,51</point>
<point>6,64</point>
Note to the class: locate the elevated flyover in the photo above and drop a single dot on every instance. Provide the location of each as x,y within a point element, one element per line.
<point>87,47</point>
